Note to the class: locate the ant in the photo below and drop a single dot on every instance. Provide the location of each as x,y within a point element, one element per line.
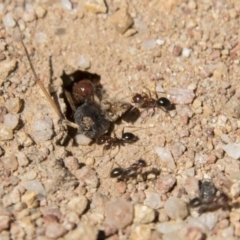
<point>131,171</point>
<point>210,199</point>
<point>146,101</point>
<point>111,142</point>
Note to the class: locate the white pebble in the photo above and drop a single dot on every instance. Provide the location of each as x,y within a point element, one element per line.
<point>81,139</point>
<point>149,44</point>
<point>66,4</point>
<point>78,204</point>
<point>209,219</point>
<point>6,133</point>
<point>11,120</point>
<point>133,50</point>
<point>84,62</point>
<point>160,42</point>
<point>8,21</point>
<point>186,52</point>
<point>232,150</point>
<point>153,200</point>
<point>181,96</point>
<point>143,214</point>
<point>166,157</point>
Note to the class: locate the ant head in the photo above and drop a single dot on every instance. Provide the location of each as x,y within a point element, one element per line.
<point>164,103</point>
<point>129,137</point>
<point>116,172</point>
<point>195,202</point>
<point>83,90</point>
<point>137,98</point>
<point>101,140</point>
<point>142,163</point>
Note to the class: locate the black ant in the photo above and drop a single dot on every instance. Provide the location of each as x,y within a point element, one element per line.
<point>111,142</point>
<point>210,199</point>
<point>146,101</point>
<point>126,173</point>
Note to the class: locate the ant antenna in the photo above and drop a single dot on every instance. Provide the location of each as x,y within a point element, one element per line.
<point>44,90</point>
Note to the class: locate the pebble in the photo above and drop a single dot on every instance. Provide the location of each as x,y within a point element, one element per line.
<point>176,208</point>
<point>160,41</point>
<point>83,140</point>
<point>8,21</point>
<point>166,157</point>
<point>232,150</point>
<point>6,67</point>
<point>178,148</point>
<point>54,230</point>
<point>6,133</point>
<point>11,120</point>
<point>10,162</point>
<point>143,214</point>
<point>35,185</point>
<point>42,129</point>
<point>30,198</point>
<point>165,183</point>
<point>121,20</point>
<point>4,223</point>
<point>88,175</point>
<point>141,232</point>
<point>22,159</point>
<point>209,219</point>
<point>232,108</point>
<point>119,213</point>
<point>40,11</point>
<point>29,14</point>
<point>71,163</point>
<point>177,50</point>
<point>83,231</point>
<point>84,62</point>
<point>153,200</point>
<point>181,96</point>
<point>13,105</point>
<point>66,4</point>
<point>235,189</point>
<point>121,187</point>
<point>186,52</point>
<point>78,204</point>
<point>191,185</point>
<point>96,6</point>
<point>149,44</point>
<point>168,227</point>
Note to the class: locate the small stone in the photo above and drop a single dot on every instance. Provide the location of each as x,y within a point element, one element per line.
<point>84,62</point>
<point>42,129</point>
<point>153,200</point>
<point>96,6</point>
<point>35,185</point>
<point>71,163</point>
<point>209,219</point>
<point>11,120</point>
<point>149,44</point>
<point>177,50</point>
<point>83,231</point>
<point>40,11</point>
<point>8,21</point>
<point>232,150</point>
<point>178,148</point>
<point>4,223</point>
<point>22,159</point>
<point>235,189</point>
<point>169,227</point>
<point>186,52</point>
<point>232,108</point>
<point>141,232</point>
<point>166,157</point>
<point>29,14</point>
<point>13,105</point>
<point>66,4</point>
<point>181,96</point>
<point>221,68</point>
<point>192,5</point>
<point>88,175</point>
<point>194,233</point>
<point>78,204</point>
<point>165,183</point>
<point>122,20</point>
<point>83,140</point>
<point>160,41</point>
<point>176,208</point>
<point>23,139</point>
<point>121,187</point>
<point>30,198</point>
<point>54,230</point>
<point>191,185</point>
<point>217,45</point>
<point>6,67</point>
<point>143,214</point>
<point>119,213</point>
<point>6,133</point>
<point>10,162</point>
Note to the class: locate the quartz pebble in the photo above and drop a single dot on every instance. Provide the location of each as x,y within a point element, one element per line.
<point>66,4</point>
<point>71,163</point>
<point>166,157</point>
<point>232,150</point>
<point>35,185</point>
<point>209,219</point>
<point>11,120</point>
<point>176,208</point>
<point>149,44</point>
<point>5,68</point>
<point>143,214</point>
<point>13,105</point>
<point>119,213</point>
<point>10,162</point>
<point>83,140</point>
<point>122,20</point>
<point>178,148</point>
<point>78,204</point>
<point>140,232</point>
<point>168,227</point>
<point>181,96</point>
<point>165,183</point>
<point>96,6</point>
<point>153,200</point>
<point>8,21</point>
<point>84,62</point>
<point>160,41</point>
<point>6,133</point>
<point>54,230</point>
<point>186,52</point>
<point>42,129</point>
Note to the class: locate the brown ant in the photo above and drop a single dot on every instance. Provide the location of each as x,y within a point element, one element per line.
<point>210,199</point>
<point>146,101</point>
